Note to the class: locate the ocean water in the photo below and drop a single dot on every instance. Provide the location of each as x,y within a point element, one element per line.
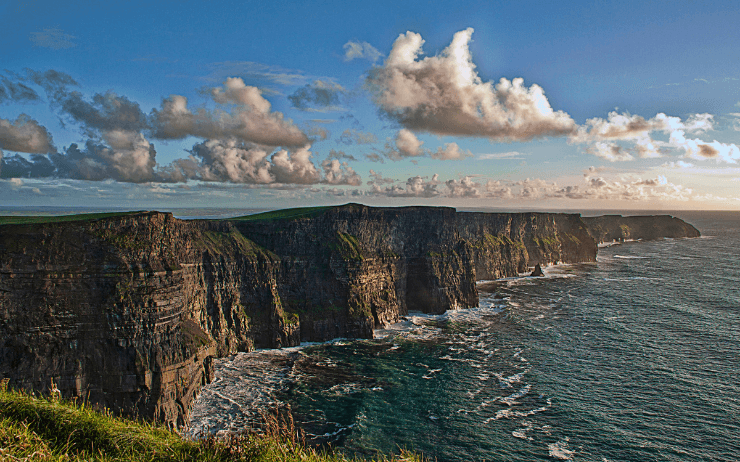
<point>633,358</point>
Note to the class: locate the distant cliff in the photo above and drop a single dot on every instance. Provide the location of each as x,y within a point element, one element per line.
<point>128,310</point>
<point>616,228</point>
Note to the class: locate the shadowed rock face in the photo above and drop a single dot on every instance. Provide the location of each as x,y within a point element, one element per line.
<point>128,311</point>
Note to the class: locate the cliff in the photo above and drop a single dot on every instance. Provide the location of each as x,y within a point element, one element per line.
<point>616,228</point>
<point>127,310</point>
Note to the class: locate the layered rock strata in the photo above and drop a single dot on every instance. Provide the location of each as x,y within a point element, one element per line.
<point>127,311</point>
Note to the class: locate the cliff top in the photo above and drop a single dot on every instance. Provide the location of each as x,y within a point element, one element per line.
<point>28,220</point>
<point>311,212</point>
<point>284,214</point>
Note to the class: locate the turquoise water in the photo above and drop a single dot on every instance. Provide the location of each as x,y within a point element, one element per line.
<point>634,358</point>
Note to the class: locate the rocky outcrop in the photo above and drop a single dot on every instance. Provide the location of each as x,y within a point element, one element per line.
<point>127,311</point>
<point>616,228</point>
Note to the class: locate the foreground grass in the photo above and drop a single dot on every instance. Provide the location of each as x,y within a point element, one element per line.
<point>47,429</point>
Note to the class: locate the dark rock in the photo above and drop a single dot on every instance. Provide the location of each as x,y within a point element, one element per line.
<point>537,271</point>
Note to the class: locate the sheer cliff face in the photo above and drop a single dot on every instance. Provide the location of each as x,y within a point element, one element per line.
<point>506,244</point>
<point>127,311</point>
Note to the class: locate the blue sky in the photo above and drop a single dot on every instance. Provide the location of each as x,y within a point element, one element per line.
<point>578,105</point>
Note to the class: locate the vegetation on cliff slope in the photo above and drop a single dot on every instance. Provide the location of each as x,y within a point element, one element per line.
<point>49,429</point>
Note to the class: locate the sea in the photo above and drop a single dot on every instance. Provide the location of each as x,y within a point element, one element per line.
<point>633,358</point>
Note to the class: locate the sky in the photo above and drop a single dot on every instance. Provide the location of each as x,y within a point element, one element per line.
<point>521,105</point>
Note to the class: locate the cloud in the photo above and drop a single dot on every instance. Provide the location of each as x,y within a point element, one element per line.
<point>502,156</point>
<point>415,187</point>
<point>129,158</point>
<point>248,120</point>
<point>54,38</point>
<point>55,83</point>
<point>235,91</point>
<point>466,187</point>
<point>444,95</point>
<point>352,136</point>
<point>318,133</point>
<point>451,151</point>
<point>361,50</point>
<point>256,73</point>
<point>319,96</point>
<point>378,179</point>
<point>294,169</point>
<point>229,161</point>
<point>339,173</point>
<point>621,137</point>
<point>375,157</point>
<point>25,135</point>
<point>16,92</point>
<point>333,154</point>
<point>600,188</point>
<point>609,151</point>
<point>700,150</point>
<point>106,112</point>
<point>407,144</point>
<point>497,190</point>
<point>678,164</point>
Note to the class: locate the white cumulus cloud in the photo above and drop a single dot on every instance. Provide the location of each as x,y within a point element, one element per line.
<point>444,95</point>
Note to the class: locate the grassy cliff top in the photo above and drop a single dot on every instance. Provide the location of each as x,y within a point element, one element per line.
<point>284,214</point>
<point>48,429</point>
<point>28,220</point>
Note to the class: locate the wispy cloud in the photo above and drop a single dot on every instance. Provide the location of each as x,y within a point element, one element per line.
<point>502,156</point>
<point>318,96</point>
<point>255,73</point>
<point>54,38</point>
<point>361,50</point>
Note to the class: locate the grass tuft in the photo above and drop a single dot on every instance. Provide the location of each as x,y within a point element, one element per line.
<point>51,429</point>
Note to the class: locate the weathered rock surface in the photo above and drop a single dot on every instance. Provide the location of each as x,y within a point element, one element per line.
<point>128,311</point>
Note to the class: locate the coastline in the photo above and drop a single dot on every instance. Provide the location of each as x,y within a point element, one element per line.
<point>177,294</point>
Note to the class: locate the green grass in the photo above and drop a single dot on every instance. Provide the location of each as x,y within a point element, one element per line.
<point>48,429</point>
<point>29,220</point>
<point>285,214</point>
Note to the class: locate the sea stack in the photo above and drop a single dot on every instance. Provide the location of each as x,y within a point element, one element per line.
<point>537,271</point>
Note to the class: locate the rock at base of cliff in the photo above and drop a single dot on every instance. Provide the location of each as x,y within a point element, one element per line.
<point>537,271</point>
